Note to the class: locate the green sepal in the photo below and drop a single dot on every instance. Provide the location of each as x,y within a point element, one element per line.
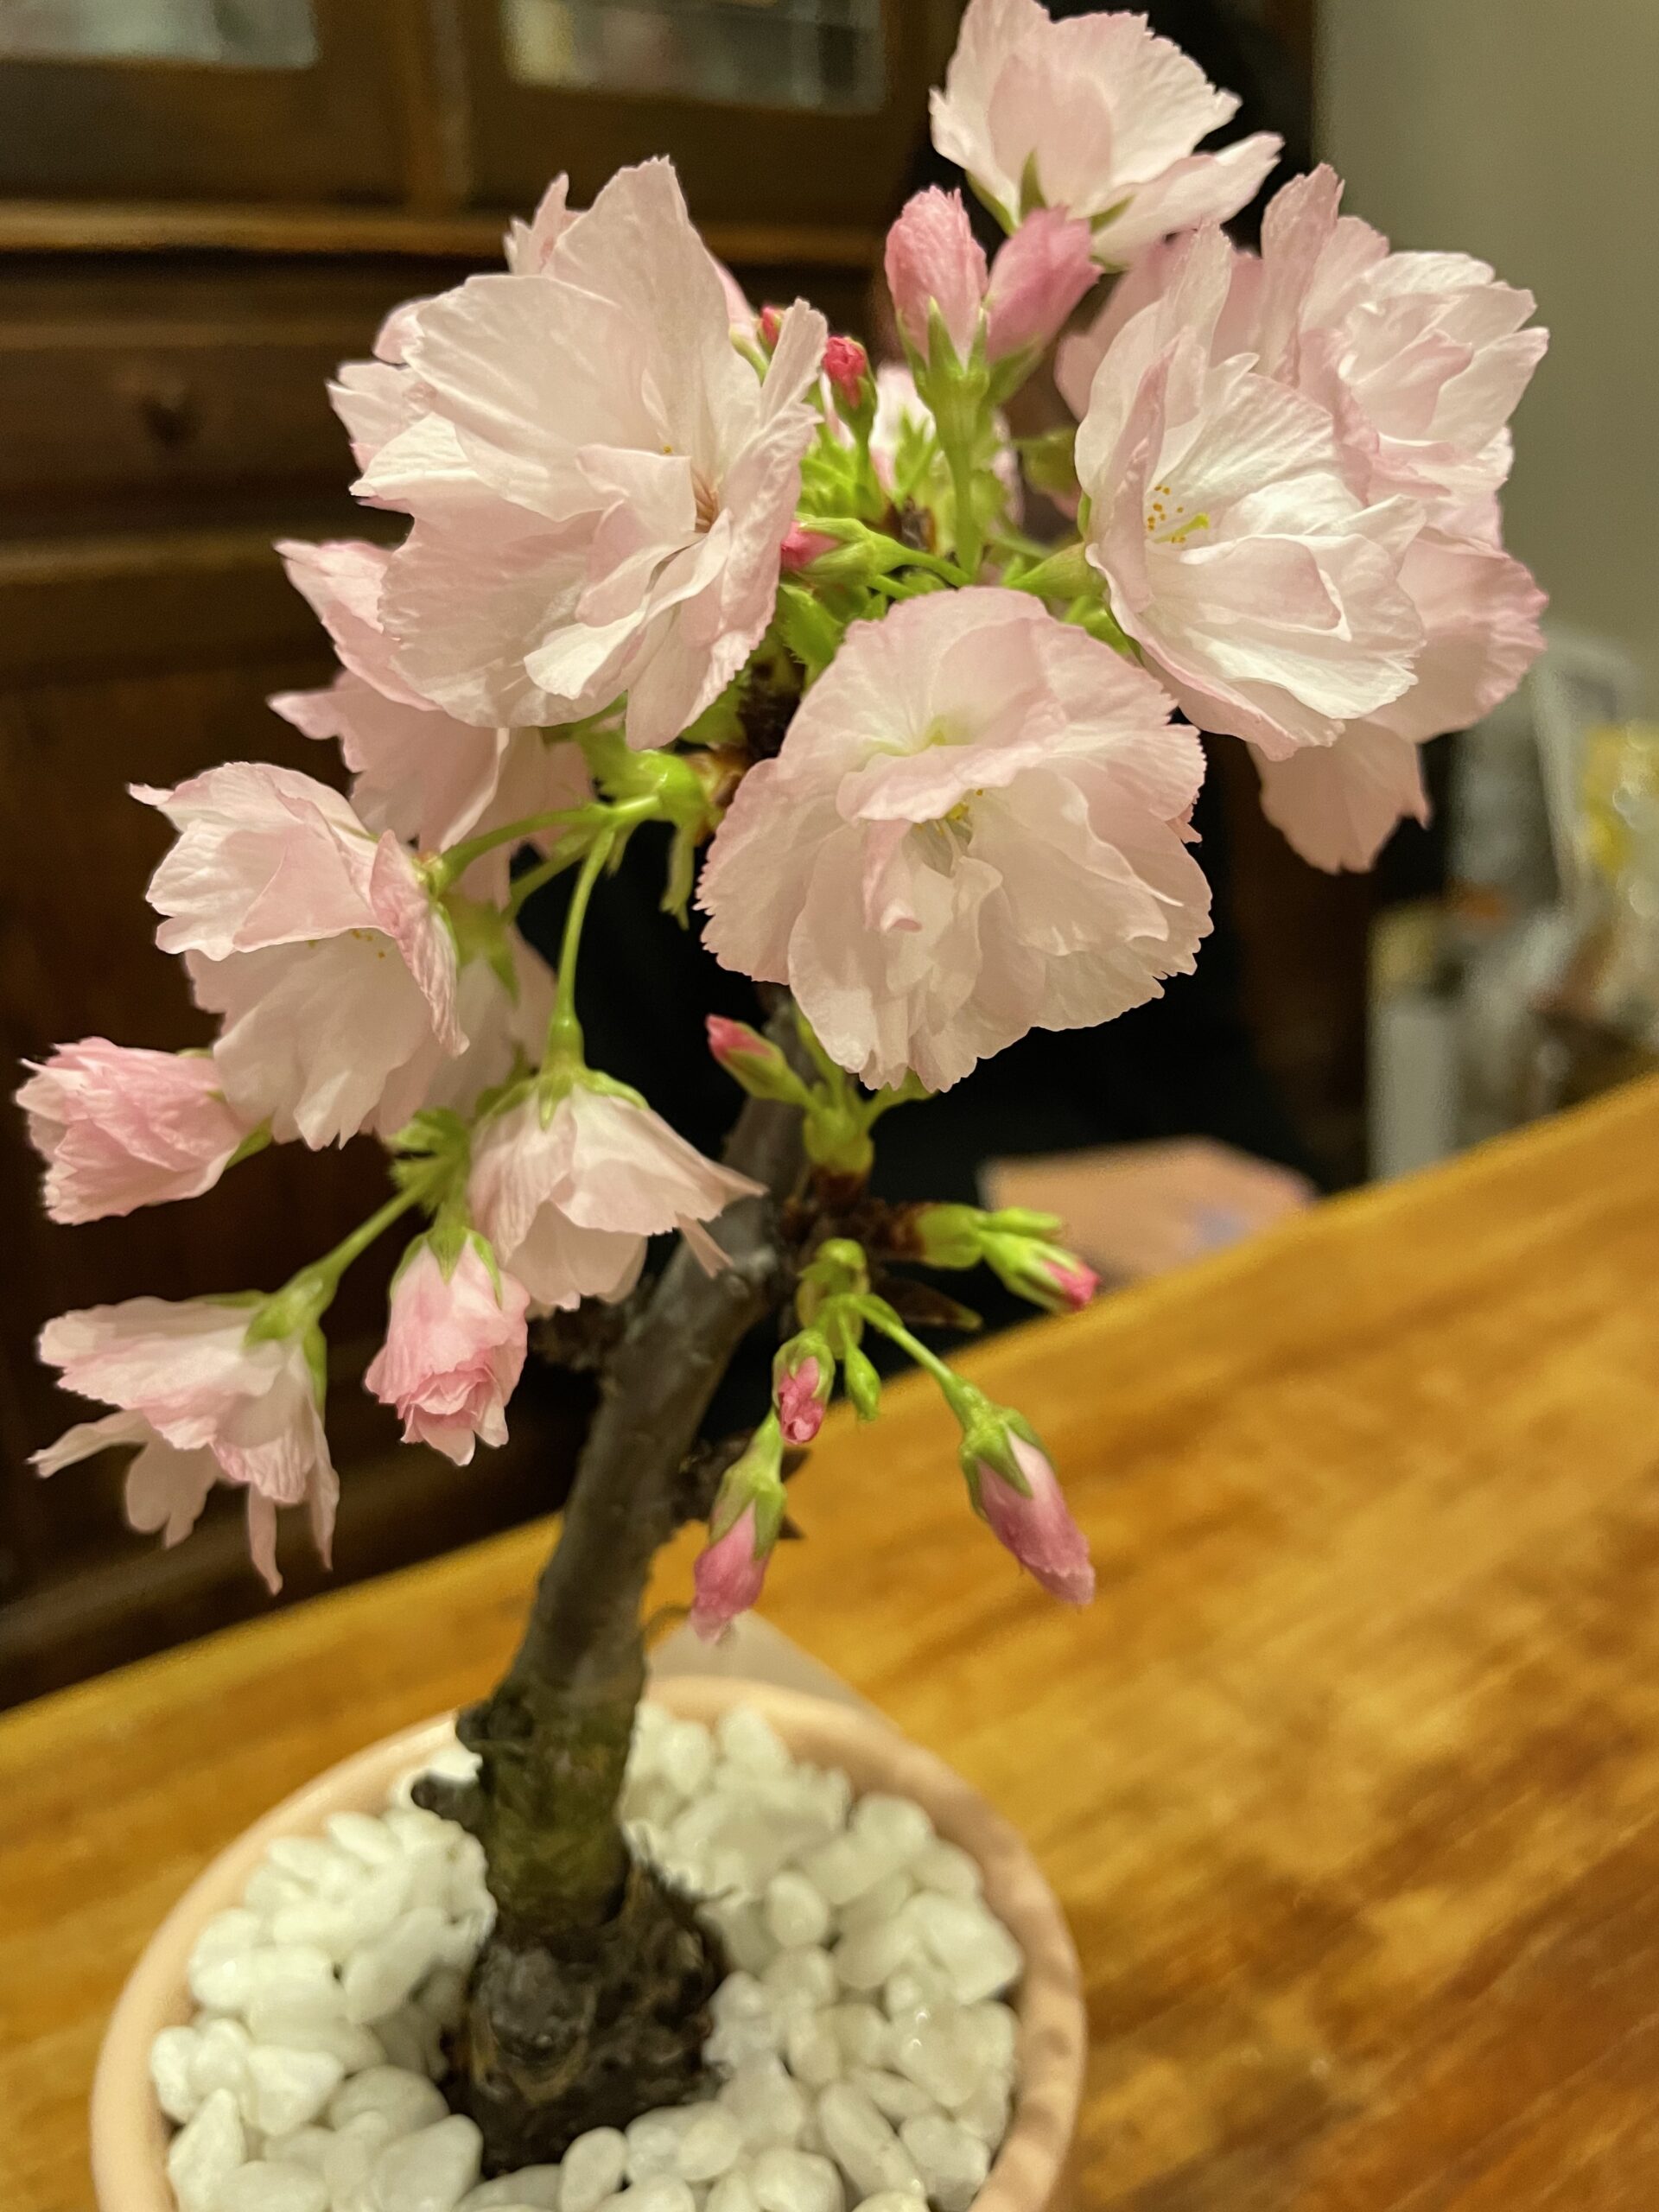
<point>863,1382</point>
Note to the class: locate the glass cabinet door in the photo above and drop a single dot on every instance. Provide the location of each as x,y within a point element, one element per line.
<point>813,54</point>
<point>783,112</point>
<point>271,100</point>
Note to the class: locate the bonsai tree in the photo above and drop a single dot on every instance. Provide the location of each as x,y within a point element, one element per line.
<point>671,561</point>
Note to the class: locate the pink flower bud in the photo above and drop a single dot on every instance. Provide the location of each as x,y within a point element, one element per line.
<point>934,259</point>
<point>770,323</point>
<point>800,548</point>
<point>1075,1281</point>
<point>1037,1528</point>
<point>846,366</point>
<point>119,1127</point>
<point>454,1352</point>
<point>728,1576</point>
<point>1038,277</point>
<point>803,1377</point>
<point>754,1061</point>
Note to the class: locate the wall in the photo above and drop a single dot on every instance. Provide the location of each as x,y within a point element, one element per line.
<point>1523,130</point>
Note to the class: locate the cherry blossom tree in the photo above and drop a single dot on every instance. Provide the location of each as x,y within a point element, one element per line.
<point>671,560</point>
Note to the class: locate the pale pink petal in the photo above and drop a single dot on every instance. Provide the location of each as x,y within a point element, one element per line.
<point>1038,1528</point>
<point>121,1127</point>
<point>1339,805</point>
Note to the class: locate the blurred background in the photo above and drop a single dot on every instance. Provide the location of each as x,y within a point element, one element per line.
<point>206,205</point>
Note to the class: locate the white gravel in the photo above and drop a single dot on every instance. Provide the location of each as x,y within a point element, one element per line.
<point>863,2054</point>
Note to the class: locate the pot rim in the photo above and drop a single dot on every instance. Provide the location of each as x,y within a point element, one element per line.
<point>130,2134</point>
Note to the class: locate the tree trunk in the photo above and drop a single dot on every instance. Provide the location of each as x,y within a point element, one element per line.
<point>589,2004</point>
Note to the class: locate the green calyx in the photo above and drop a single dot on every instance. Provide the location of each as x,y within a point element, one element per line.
<point>988,1434</point>
<point>755,1479</point>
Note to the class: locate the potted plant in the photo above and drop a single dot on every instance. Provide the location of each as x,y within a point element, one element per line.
<point>671,561</point>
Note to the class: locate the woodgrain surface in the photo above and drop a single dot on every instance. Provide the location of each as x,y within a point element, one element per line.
<point>1349,1781</point>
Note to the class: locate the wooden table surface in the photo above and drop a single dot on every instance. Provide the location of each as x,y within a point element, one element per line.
<point>1349,1780</point>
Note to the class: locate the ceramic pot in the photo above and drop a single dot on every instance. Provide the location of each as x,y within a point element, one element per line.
<point>130,2134</point>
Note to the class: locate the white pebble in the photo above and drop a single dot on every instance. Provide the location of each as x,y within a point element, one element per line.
<point>351,2159</point>
<point>206,2152</point>
<point>750,1742</point>
<point>801,1981</point>
<point>936,2056</point>
<point>289,2088</point>
<point>429,2171</point>
<point>797,1912</point>
<point>952,2162</point>
<point>894,2096</point>
<point>231,1983</point>
<point>862,2144</point>
<point>813,2049</point>
<point>221,2058</point>
<point>896,1825</point>
<point>685,1758</point>
<point>945,1867</point>
<point>270,2186</point>
<point>844,1868</point>
<point>712,2143</point>
<point>862,2034</point>
<point>892,2200</point>
<point>304,2146</point>
<point>371,1840</point>
<point>653,2141</point>
<point>731,2193</point>
<point>533,2189</point>
<point>315,2020</point>
<point>172,2058</point>
<point>795,2181</point>
<point>974,1950</point>
<point>376,1979</point>
<point>866,1958</point>
<point>404,2101</point>
<point>742,1927</point>
<point>662,2193</point>
<point>985,2113</point>
<point>884,1902</point>
<point>766,2104</point>
<point>593,2169</point>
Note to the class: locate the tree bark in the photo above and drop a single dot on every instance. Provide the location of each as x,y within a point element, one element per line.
<point>588,2006</point>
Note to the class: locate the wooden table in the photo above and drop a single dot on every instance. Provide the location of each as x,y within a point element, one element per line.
<point>1349,1780</point>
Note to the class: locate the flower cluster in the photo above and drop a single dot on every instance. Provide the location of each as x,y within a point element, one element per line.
<point>668,559</point>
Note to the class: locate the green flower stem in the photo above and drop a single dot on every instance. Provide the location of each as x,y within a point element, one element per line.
<point>565,1031</point>
<point>306,1297</point>
<point>1066,575</point>
<point>564,854</point>
<point>970,547</point>
<point>596,814</point>
<point>881,1316</point>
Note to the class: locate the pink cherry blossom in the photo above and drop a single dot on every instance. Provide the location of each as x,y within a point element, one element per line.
<point>624,482</point>
<point>418,770</point>
<point>454,1352</point>
<point>933,260</point>
<point>802,546</point>
<point>529,247</point>
<point>569,1202</point>
<point>319,944</point>
<point>1100,116</point>
<point>119,1127</point>
<point>976,827</point>
<point>1263,590</point>
<point>1338,805</point>
<point>728,1577</point>
<point>202,1404</point>
<point>505,1010</point>
<point>1038,277</point>
<point>1037,1530</point>
<point>1419,357</point>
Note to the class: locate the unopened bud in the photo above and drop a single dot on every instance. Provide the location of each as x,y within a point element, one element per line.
<point>754,1061</point>
<point>803,1377</point>
<point>1013,1488</point>
<point>742,1533</point>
